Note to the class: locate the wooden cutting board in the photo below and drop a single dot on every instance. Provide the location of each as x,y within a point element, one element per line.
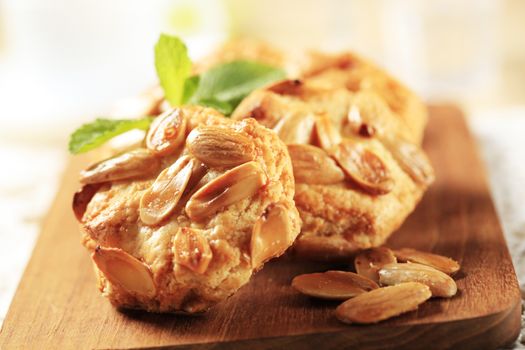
<point>58,306</point>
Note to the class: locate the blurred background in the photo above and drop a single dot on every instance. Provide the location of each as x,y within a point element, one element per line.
<point>63,62</point>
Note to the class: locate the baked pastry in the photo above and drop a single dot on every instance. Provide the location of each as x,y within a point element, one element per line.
<point>184,221</point>
<point>354,137</point>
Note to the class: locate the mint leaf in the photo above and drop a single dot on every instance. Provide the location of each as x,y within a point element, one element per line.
<point>92,135</point>
<point>190,86</point>
<point>229,83</point>
<point>173,67</point>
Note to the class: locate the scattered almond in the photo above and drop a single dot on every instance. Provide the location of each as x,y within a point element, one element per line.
<point>295,128</point>
<point>192,250</point>
<point>139,162</point>
<point>440,284</point>
<point>232,186</point>
<point>411,159</point>
<point>124,270</point>
<point>313,166</point>
<point>325,132</point>
<point>334,285</point>
<point>217,146</point>
<point>363,167</point>
<point>368,262</point>
<point>271,235</point>
<point>160,199</point>
<point>167,132</point>
<point>383,303</point>
<point>439,262</point>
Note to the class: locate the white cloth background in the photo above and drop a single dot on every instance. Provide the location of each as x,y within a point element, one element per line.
<point>27,189</point>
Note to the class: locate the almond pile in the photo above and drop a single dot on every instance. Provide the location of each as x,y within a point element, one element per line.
<point>388,283</point>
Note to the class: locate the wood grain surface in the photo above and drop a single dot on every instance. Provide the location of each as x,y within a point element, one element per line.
<point>57,304</point>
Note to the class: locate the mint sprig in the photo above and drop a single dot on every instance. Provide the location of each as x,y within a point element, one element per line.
<point>94,134</point>
<point>173,67</point>
<point>222,87</point>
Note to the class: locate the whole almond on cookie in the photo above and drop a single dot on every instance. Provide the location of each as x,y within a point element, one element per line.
<point>221,147</point>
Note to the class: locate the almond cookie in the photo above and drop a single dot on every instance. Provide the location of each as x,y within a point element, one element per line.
<point>358,167</point>
<point>184,221</point>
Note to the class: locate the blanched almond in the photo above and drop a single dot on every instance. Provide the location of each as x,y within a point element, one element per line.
<point>222,147</point>
<point>368,262</point>
<point>411,159</point>
<point>335,285</point>
<point>160,199</point>
<point>439,262</point>
<point>192,250</point>
<point>364,167</point>
<point>326,134</point>
<point>167,132</point>
<point>313,166</point>
<point>440,284</point>
<point>124,270</point>
<point>272,235</point>
<point>232,186</point>
<point>139,162</point>
<point>383,303</point>
<point>295,128</point>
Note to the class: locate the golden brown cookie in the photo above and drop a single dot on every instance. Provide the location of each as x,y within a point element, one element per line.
<point>184,221</point>
<point>359,170</point>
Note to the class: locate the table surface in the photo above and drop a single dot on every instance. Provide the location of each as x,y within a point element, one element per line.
<point>25,194</point>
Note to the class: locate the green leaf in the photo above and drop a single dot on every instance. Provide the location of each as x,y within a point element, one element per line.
<point>190,86</point>
<point>173,67</point>
<point>92,135</point>
<point>229,83</point>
